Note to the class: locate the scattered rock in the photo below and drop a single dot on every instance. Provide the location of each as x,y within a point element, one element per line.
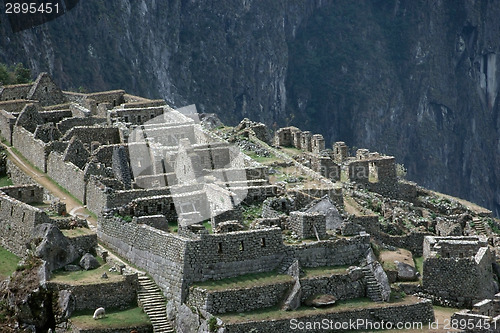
<point>104,275</point>
<point>187,321</point>
<point>406,272</point>
<point>52,246</point>
<point>88,262</point>
<point>321,301</point>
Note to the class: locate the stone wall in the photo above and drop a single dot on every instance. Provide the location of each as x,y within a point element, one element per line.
<point>67,175</point>
<point>238,300</point>
<point>444,277</point>
<point>340,252</point>
<point>7,122</point>
<point>160,253</point>
<point>307,225</point>
<point>218,256</point>
<point>34,150</point>
<point>86,134</point>
<point>419,311</point>
<point>146,328</point>
<point>30,193</point>
<point>121,294</point>
<point>339,285</point>
<point>17,176</point>
<point>68,123</point>
<point>413,241</point>
<point>17,222</point>
<point>84,243</point>
<point>155,221</point>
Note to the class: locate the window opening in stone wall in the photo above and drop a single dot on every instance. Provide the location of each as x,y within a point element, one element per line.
<point>32,193</point>
<point>263,242</point>
<point>172,206</point>
<point>152,115</point>
<point>138,119</point>
<point>158,208</point>
<point>19,194</point>
<point>219,247</point>
<point>241,246</point>
<point>11,210</point>
<point>114,102</point>
<point>126,119</point>
<point>46,89</point>
<point>372,172</point>
<point>24,214</point>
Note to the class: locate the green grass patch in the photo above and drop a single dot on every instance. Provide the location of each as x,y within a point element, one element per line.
<point>86,277</point>
<point>208,226</point>
<point>173,226</point>
<point>325,270</point>
<point>262,159</point>
<point>244,281</point>
<point>419,264</point>
<point>250,213</point>
<point>8,263</point>
<point>5,181</point>
<point>114,318</point>
<point>77,232</point>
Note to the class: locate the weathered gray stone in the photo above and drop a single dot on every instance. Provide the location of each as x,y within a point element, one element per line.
<point>187,321</point>
<point>406,272</point>
<point>89,262</point>
<point>66,304</point>
<point>53,247</point>
<point>72,268</point>
<point>321,301</point>
<point>355,273</point>
<point>293,300</point>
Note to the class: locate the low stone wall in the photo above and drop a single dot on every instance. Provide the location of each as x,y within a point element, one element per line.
<point>147,328</point>
<point>29,193</point>
<point>413,241</point>
<point>339,285</point>
<point>419,312</point>
<point>121,294</point>
<point>84,243</point>
<point>238,300</point>
<point>330,253</point>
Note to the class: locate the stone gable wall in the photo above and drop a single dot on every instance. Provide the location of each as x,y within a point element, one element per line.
<point>68,123</point>
<point>17,222</point>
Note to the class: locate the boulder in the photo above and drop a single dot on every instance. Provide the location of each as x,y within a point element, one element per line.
<point>319,301</point>
<point>66,304</point>
<point>89,262</point>
<point>187,321</point>
<point>406,272</point>
<point>51,245</point>
<point>72,268</point>
<point>293,300</point>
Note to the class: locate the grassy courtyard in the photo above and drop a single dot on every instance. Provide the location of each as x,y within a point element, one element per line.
<point>8,263</point>
<point>114,319</point>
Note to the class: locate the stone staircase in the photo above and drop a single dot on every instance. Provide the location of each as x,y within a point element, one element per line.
<point>373,289</point>
<point>479,227</point>
<point>151,299</point>
<point>285,264</point>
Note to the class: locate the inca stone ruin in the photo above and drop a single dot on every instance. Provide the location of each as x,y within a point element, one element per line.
<point>204,226</point>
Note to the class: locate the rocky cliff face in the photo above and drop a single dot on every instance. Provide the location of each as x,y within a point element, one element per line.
<point>417,79</point>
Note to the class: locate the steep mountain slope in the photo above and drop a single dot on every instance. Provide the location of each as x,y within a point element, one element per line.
<point>417,79</point>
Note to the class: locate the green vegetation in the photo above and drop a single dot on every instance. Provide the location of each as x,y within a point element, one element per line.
<point>208,225</point>
<point>494,226</point>
<point>5,181</point>
<point>173,226</point>
<point>8,263</point>
<point>113,319</point>
<point>126,218</point>
<point>244,281</point>
<point>86,277</point>
<point>419,264</point>
<point>324,270</point>
<point>212,324</point>
<point>250,213</point>
<point>77,232</point>
<point>15,74</point>
<point>262,159</point>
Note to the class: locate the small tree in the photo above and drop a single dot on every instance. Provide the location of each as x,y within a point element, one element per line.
<point>22,74</point>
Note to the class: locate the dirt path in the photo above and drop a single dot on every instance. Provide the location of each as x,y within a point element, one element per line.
<point>73,207</point>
